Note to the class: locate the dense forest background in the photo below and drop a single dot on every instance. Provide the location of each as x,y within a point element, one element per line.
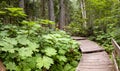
<point>78,17</point>
<point>40,21</point>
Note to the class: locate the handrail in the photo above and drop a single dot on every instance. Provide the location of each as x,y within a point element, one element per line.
<point>115,53</point>
<point>116,47</point>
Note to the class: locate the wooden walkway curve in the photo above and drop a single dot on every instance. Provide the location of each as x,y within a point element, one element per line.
<point>94,58</point>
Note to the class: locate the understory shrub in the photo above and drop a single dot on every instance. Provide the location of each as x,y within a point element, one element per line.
<point>76,29</point>
<point>104,38</point>
<point>118,62</point>
<point>117,35</point>
<point>30,48</point>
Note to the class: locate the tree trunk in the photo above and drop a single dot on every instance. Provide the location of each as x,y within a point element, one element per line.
<point>21,4</point>
<point>2,67</point>
<point>62,15</point>
<point>43,8</point>
<point>82,5</point>
<point>51,12</point>
<point>67,12</point>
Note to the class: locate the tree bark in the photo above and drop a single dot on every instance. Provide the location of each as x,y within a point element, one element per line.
<point>21,4</point>
<point>62,15</point>
<point>43,8</point>
<point>82,5</point>
<point>51,12</point>
<point>2,67</point>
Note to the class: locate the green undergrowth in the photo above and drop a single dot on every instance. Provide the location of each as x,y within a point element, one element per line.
<point>32,48</point>
<point>118,62</point>
<point>104,40</point>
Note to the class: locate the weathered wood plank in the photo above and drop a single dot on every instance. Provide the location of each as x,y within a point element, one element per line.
<point>115,62</point>
<point>94,58</point>
<point>99,61</point>
<point>115,53</point>
<point>78,38</point>
<point>116,47</point>
<point>88,46</point>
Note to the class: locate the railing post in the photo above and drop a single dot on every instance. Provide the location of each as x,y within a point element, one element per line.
<point>115,53</point>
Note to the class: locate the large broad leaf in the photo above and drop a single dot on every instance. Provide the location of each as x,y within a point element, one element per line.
<point>25,52</point>
<point>62,58</point>
<point>11,40</point>
<point>40,62</point>
<point>62,52</point>
<point>11,66</point>
<point>4,33</point>
<point>2,12</point>
<point>47,62</point>
<point>46,22</point>
<point>31,62</point>
<point>33,46</point>
<point>68,67</point>
<point>50,51</point>
<point>7,47</point>
<point>24,66</point>
<point>22,40</point>
<point>44,62</point>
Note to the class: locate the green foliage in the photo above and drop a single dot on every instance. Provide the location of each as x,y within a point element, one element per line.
<point>76,29</point>
<point>117,35</point>
<point>44,62</point>
<point>103,37</point>
<point>118,61</point>
<point>29,23</point>
<point>76,25</point>
<point>16,14</point>
<point>103,22</point>
<point>31,49</point>
<point>115,13</point>
<point>13,12</point>
<point>41,21</point>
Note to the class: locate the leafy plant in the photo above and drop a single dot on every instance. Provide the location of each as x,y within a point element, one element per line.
<point>16,14</point>
<point>118,61</point>
<point>30,49</point>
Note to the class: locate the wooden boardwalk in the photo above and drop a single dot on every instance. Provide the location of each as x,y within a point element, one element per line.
<point>94,58</point>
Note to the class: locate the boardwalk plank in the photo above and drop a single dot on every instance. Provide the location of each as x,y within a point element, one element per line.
<point>88,46</point>
<point>94,58</point>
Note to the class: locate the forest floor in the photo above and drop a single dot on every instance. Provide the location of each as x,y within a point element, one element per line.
<point>94,58</point>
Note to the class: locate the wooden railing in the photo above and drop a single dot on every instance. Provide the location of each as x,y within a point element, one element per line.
<point>115,53</point>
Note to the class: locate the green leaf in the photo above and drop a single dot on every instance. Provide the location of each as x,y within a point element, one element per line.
<point>68,67</point>
<point>11,66</point>
<point>22,40</point>
<point>61,51</point>
<point>47,62</point>
<point>31,62</point>
<point>25,52</point>
<point>24,22</point>
<point>50,51</point>
<point>11,41</point>
<point>7,47</point>
<point>33,46</point>
<point>39,62</point>
<point>29,23</point>
<point>2,12</point>
<point>46,22</point>
<point>44,62</point>
<point>62,58</point>
<point>27,69</point>
<point>16,12</point>
<point>4,33</point>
